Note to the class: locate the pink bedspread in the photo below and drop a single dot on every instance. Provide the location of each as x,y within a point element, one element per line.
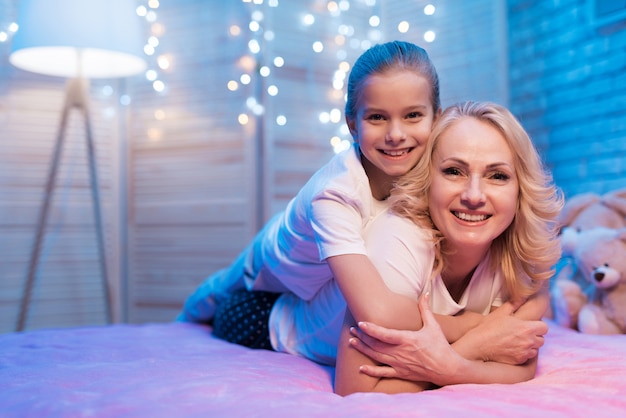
<point>180,370</point>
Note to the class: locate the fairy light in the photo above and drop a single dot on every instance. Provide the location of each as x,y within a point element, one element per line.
<point>151,75</point>
<point>163,62</point>
<point>158,86</point>
<point>159,114</point>
<point>148,12</point>
<point>404,26</point>
<point>318,46</point>
<point>264,71</point>
<point>308,19</point>
<point>335,115</point>
<point>254,26</point>
<point>344,45</point>
<point>234,30</point>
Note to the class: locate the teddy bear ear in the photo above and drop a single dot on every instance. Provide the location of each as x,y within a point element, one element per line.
<point>621,234</point>
<point>616,200</point>
<point>574,206</point>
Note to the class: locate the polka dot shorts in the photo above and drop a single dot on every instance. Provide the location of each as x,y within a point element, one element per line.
<point>243,318</point>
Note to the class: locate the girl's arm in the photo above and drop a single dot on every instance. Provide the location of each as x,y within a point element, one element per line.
<point>369,299</point>
<point>349,380</point>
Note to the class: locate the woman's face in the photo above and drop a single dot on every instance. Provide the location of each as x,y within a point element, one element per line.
<point>474,189</point>
<point>393,120</point>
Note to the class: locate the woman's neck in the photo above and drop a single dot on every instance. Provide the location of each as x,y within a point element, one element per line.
<point>459,269</point>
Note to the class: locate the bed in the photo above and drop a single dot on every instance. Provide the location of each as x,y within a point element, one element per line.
<point>180,370</point>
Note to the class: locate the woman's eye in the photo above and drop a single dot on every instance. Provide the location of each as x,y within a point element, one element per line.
<point>500,176</point>
<point>451,171</point>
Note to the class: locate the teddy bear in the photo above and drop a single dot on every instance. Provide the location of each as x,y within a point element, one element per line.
<point>580,212</point>
<point>599,306</point>
<point>589,210</point>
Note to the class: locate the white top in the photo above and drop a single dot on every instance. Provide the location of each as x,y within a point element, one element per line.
<point>326,218</point>
<point>403,254</point>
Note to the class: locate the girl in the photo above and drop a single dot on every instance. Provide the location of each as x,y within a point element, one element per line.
<point>393,100</point>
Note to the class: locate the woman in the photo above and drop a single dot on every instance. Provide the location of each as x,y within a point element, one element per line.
<point>482,189</point>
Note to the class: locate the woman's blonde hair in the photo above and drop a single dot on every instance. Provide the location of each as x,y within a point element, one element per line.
<point>529,248</point>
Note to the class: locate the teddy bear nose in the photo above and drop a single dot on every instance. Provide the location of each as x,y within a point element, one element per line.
<point>598,276</point>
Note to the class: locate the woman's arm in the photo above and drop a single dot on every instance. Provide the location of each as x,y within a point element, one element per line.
<point>438,362</point>
<point>369,299</point>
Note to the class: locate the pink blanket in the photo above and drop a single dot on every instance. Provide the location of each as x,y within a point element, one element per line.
<point>180,370</point>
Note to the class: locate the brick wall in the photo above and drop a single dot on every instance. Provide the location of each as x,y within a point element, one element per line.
<point>568,87</point>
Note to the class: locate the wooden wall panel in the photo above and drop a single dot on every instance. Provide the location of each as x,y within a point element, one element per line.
<point>191,175</point>
<point>68,287</point>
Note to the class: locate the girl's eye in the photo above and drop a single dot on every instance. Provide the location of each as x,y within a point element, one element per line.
<point>414,115</point>
<point>375,116</point>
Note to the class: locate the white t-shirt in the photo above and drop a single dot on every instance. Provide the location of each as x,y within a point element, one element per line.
<point>326,218</point>
<point>403,254</point>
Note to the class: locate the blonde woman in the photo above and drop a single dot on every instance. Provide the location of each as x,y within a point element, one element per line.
<point>490,204</point>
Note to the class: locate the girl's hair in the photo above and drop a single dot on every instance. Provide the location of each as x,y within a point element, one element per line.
<point>529,248</point>
<point>395,55</point>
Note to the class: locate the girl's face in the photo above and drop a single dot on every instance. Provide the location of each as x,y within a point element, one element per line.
<point>393,120</point>
<point>474,190</point>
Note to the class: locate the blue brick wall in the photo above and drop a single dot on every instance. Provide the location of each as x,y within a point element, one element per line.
<point>568,87</point>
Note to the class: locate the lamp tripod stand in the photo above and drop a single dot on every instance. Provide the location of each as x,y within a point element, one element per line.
<point>75,98</point>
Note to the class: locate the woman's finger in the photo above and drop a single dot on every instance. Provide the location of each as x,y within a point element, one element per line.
<point>378,371</point>
<point>385,335</point>
<point>424,307</point>
<point>370,352</point>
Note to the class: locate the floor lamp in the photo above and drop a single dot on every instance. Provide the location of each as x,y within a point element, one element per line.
<point>78,40</point>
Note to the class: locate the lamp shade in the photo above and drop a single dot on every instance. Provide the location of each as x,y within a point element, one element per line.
<point>78,38</point>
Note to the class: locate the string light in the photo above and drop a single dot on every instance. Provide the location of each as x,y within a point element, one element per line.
<point>344,43</point>
<point>148,12</point>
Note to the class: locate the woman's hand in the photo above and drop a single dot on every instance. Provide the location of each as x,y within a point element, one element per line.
<point>423,355</point>
<point>505,338</point>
